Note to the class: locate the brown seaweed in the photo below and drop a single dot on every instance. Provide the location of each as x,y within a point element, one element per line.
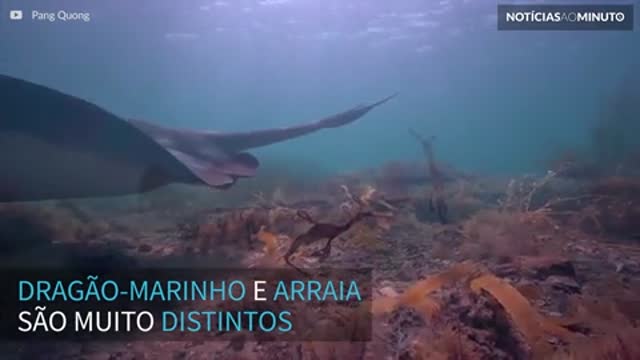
<point>436,197</point>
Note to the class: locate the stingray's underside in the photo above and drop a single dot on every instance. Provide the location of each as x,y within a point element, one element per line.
<point>55,146</point>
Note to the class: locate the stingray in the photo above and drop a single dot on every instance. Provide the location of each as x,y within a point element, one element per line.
<point>57,146</point>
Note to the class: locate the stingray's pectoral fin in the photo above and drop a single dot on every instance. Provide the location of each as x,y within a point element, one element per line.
<point>353,114</point>
<point>239,165</point>
<point>380,102</point>
<point>239,141</point>
<point>218,172</point>
<point>223,174</point>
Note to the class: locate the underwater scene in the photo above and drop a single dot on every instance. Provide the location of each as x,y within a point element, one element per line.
<point>479,178</point>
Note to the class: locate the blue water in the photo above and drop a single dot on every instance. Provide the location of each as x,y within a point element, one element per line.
<point>497,101</point>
